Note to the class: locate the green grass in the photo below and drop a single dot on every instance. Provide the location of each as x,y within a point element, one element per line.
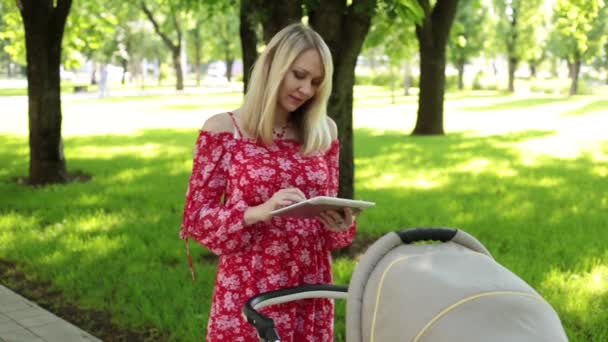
<point>525,175</point>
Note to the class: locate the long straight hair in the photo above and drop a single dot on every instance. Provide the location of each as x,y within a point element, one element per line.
<point>260,103</point>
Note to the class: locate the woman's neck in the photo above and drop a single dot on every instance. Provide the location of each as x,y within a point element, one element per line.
<point>281,119</point>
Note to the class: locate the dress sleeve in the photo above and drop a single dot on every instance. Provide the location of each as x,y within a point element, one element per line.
<point>344,238</point>
<point>210,218</point>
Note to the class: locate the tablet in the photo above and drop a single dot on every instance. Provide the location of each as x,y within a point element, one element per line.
<point>314,206</point>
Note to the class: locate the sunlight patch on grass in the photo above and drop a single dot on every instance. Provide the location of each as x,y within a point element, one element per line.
<point>600,170</point>
<point>145,151</point>
<point>399,179</point>
<point>129,175</point>
<point>477,166</point>
<point>578,293</point>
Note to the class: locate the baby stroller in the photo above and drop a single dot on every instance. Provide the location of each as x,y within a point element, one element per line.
<point>448,291</point>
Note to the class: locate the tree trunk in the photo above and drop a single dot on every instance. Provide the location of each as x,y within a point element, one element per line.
<point>124,64</point>
<point>532,65</point>
<point>229,63</point>
<point>570,69</point>
<point>512,66</point>
<point>344,29</point>
<point>9,68</point>
<point>44,25</point>
<point>392,75</point>
<point>460,67</point>
<point>407,77</point>
<point>198,46</point>
<point>177,65</point>
<point>278,14</point>
<point>94,74</point>
<point>576,67</point>
<point>432,38</point>
<point>249,39</point>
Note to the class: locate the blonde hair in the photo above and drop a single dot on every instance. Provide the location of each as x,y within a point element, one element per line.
<point>260,103</point>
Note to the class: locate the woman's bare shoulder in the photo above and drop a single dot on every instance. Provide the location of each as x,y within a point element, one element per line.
<point>219,123</point>
<point>333,128</point>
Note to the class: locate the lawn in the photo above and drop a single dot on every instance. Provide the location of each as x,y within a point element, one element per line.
<point>526,175</point>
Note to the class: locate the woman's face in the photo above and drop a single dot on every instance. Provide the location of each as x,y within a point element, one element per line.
<point>301,81</point>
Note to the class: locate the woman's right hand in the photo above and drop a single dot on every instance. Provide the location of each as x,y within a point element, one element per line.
<point>279,199</point>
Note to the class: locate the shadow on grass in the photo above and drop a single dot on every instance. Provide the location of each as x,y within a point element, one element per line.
<point>517,104</point>
<point>112,243</point>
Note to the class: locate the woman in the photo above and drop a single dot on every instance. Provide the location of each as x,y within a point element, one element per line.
<point>279,148</point>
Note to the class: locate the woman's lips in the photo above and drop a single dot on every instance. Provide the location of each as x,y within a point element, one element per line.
<point>295,99</point>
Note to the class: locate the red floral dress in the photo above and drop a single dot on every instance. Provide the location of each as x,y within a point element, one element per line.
<point>231,174</point>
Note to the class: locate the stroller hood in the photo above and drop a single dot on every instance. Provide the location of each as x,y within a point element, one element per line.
<point>452,291</point>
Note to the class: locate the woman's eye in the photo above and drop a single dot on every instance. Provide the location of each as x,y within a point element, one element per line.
<point>299,75</point>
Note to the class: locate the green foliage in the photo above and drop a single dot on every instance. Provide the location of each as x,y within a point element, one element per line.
<point>467,36</point>
<point>12,36</point>
<point>579,29</point>
<point>518,23</point>
<point>222,32</point>
<point>392,31</point>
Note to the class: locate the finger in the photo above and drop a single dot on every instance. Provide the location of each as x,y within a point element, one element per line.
<point>349,216</point>
<point>335,216</point>
<point>326,218</point>
<point>348,212</point>
<point>284,202</point>
<point>324,221</point>
<point>297,192</point>
<point>292,197</point>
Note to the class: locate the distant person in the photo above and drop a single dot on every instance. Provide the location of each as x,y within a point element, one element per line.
<point>279,148</point>
<point>103,81</point>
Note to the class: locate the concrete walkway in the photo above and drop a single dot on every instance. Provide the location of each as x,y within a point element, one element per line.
<point>24,321</point>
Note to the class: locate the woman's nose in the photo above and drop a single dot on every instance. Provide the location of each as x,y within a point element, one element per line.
<point>306,89</point>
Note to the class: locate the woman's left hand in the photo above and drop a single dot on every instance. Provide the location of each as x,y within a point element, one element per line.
<point>336,221</point>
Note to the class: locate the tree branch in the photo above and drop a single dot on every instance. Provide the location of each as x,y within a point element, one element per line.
<point>176,25</point>
<point>163,36</point>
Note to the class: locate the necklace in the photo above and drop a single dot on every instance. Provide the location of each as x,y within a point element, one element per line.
<point>279,133</point>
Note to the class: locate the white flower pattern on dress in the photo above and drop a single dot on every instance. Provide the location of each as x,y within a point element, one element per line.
<point>231,174</point>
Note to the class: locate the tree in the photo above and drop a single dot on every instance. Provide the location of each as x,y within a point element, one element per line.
<point>170,30</point>
<point>467,35</point>
<point>223,27</point>
<point>578,34</point>
<point>518,21</point>
<point>432,34</point>
<point>44,23</point>
<point>392,35</point>
<point>195,46</point>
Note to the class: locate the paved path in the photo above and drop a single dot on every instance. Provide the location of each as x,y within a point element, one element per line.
<point>24,321</point>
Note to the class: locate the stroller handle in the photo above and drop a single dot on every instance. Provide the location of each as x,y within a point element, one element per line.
<point>265,325</point>
<point>409,236</point>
